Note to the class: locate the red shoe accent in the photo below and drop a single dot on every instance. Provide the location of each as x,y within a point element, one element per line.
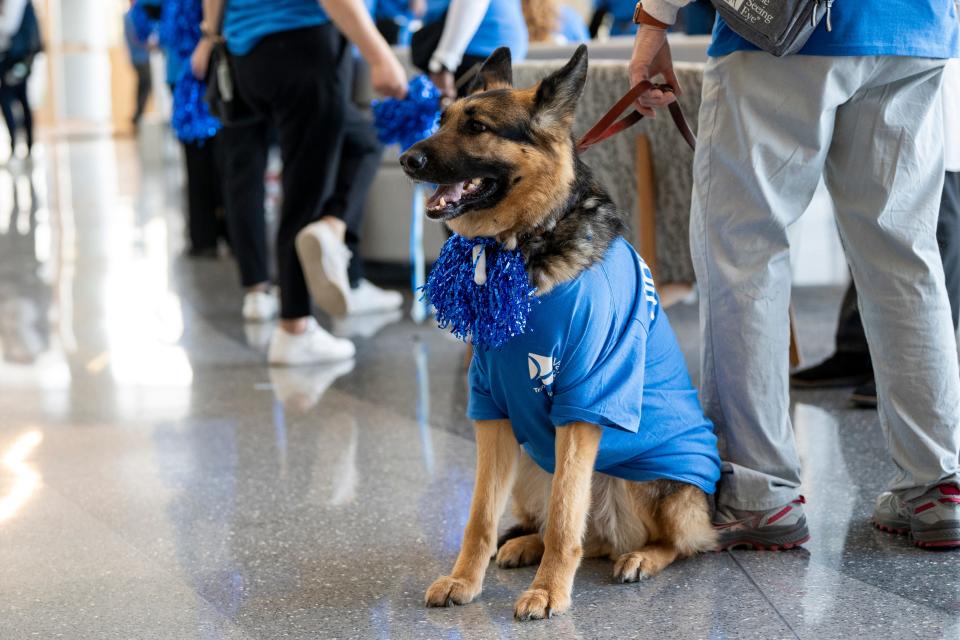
<point>950,499</point>
<point>760,547</point>
<point>889,529</point>
<point>924,507</point>
<point>787,509</point>
<point>950,489</point>
<point>938,544</point>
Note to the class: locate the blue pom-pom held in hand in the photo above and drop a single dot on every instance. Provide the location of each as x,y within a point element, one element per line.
<point>408,121</point>
<point>480,291</point>
<point>191,119</point>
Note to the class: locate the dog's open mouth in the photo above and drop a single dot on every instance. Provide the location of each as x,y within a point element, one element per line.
<point>452,200</point>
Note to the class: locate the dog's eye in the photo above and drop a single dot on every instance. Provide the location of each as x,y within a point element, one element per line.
<point>476,126</point>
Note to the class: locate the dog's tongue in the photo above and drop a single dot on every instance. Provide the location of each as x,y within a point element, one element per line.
<point>448,193</point>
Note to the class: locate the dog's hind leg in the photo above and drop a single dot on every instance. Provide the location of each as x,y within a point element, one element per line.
<point>576,453</point>
<point>497,453</point>
<point>681,528</point>
<point>520,552</point>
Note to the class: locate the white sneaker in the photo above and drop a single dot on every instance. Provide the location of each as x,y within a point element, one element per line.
<point>324,259</point>
<point>260,306</point>
<point>369,298</point>
<point>313,346</point>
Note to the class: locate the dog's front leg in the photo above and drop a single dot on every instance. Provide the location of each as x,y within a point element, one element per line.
<point>549,594</point>
<point>497,453</point>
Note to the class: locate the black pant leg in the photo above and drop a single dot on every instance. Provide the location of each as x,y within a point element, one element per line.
<point>7,98</point>
<point>296,78</point>
<point>243,163</point>
<point>850,336</point>
<point>360,156</point>
<point>203,195</point>
<point>20,92</point>
<point>948,237</point>
<point>144,81</point>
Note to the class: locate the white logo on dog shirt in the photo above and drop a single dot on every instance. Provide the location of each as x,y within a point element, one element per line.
<point>543,369</point>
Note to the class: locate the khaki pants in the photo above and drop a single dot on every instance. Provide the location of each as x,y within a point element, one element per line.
<point>769,128</point>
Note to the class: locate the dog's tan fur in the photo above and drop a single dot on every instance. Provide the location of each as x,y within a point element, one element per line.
<point>564,220</point>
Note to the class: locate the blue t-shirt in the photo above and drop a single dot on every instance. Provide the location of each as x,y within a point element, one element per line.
<point>922,28</point>
<point>598,349</point>
<point>502,26</point>
<point>571,27</point>
<point>248,21</point>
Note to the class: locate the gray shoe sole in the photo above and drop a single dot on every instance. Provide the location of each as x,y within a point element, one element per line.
<point>943,536</point>
<point>766,538</point>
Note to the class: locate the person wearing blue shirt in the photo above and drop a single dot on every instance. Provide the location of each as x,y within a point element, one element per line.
<point>473,29</point>
<point>592,354</point>
<point>293,69</point>
<point>860,106</point>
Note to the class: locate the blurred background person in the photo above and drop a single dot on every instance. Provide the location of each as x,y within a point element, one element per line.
<point>552,22</point>
<point>472,30</point>
<point>20,41</point>
<point>293,68</point>
<point>205,210</point>
<point>139,51</point>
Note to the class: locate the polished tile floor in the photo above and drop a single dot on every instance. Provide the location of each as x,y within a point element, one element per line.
<point>158,481</point>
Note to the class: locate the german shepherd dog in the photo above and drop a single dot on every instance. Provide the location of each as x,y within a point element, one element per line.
<point>507,168</point>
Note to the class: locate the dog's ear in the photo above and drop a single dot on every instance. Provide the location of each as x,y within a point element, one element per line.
<point>496,72</point>
<point>557,94</point>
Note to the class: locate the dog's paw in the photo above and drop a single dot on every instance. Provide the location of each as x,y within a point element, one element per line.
<point>447,590</point>
<point>520,552</point>
<point>633,567</point>
<point>537,604</point>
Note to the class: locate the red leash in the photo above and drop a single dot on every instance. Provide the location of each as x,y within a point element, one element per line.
<point>608,125</point>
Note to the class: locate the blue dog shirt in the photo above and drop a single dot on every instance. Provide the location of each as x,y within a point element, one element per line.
<point>598,349</point>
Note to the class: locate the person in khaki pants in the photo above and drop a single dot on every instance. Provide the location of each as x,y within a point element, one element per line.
<point>859,105</point>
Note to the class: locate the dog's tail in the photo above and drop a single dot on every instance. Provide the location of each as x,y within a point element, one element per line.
<point>515,531</point>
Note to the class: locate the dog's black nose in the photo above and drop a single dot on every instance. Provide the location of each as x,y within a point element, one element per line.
<point>413,160</point>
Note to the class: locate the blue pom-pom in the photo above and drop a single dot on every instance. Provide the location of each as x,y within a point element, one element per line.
<point>408,121</point>
<point>143,24</point>
<point>180,26</point>
<point>191,119</point>
<point>488,314</point>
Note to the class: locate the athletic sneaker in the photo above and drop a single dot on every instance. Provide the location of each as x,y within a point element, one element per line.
<point>369,298</point>
<point>932,520</point>
<point>777,529</point>
<point>313,346</point>
<point>324,258</point>
<point>260,306</point>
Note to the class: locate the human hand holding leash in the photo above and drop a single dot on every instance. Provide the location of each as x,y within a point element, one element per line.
<point>651,57</point>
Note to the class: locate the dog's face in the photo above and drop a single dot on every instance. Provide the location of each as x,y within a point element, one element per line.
<point>503,158</point>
